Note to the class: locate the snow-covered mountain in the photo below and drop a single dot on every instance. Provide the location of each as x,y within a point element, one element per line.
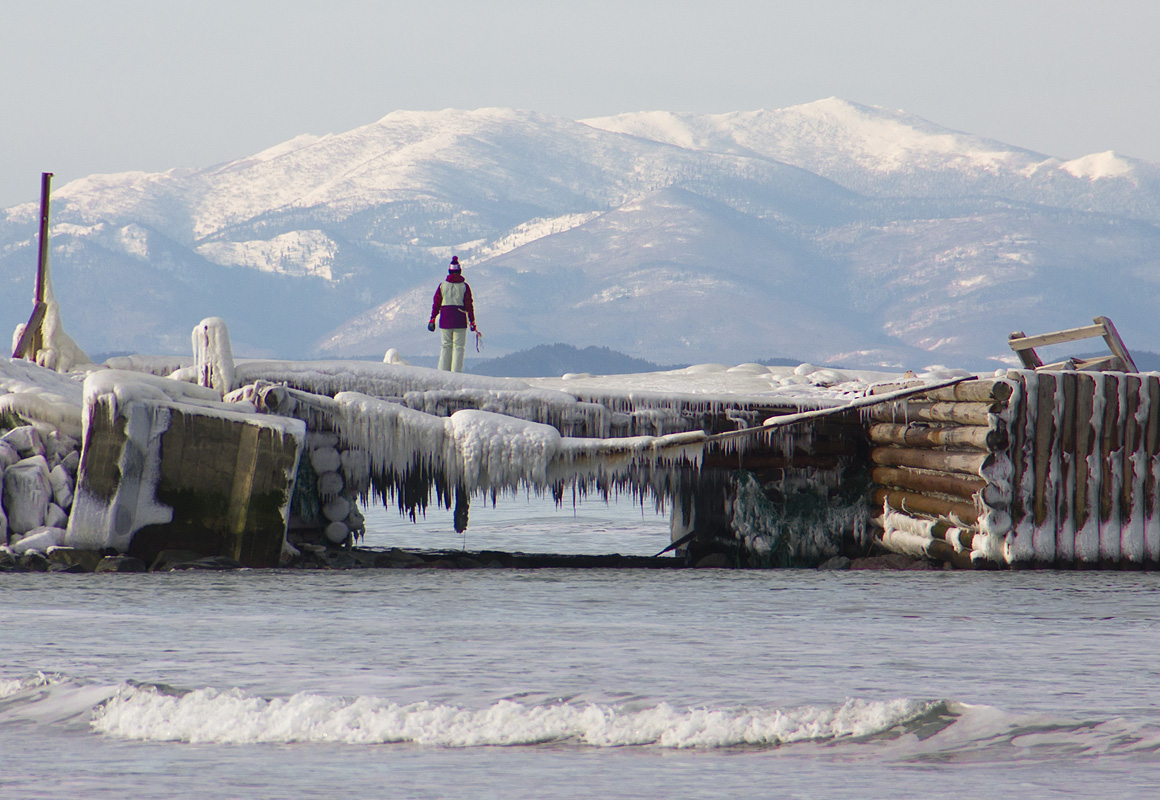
<point>829,232</point>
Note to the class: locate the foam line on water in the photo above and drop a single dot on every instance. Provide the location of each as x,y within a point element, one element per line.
<point>235,717</point>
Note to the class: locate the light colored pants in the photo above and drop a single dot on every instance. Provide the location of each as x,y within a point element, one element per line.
<point>451,355</point>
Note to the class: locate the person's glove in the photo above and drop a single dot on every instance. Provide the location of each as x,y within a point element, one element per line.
<point>431,325</point>
<point>473,329</point>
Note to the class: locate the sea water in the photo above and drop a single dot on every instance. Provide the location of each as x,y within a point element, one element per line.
<point>578,683</point>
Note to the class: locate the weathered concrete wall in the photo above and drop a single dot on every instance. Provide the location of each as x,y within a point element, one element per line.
<point>157,475</point>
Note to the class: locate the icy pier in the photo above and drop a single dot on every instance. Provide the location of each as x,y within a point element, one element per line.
<point>761,466</point>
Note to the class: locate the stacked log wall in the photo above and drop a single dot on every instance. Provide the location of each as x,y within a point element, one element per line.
<point>942,472</point>
<point>1062,472</point>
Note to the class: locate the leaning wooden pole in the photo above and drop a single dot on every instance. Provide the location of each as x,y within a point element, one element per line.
<point>31,341</point>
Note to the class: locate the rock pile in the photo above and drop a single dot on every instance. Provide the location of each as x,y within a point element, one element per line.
<point>38,476</point>
<point>331,479</point>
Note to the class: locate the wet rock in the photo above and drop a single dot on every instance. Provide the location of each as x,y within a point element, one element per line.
<point>8,559</point>
<point>34,561</point>
<point>70,568</point>
<point>83,560</point>
<point>467,562</point>
<point>714,561</point>
<point>837,562</point>
<point>169,559</point>
<point>891,561</point>
<point>401,558</point>
<point>341,559</point>
<point>121,564</point>
<point>211,563</point>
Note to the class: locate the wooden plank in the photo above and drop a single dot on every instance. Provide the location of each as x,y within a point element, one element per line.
<point>1022,342</point>
<point>24,346</point>
<point>1151,454</point>
<point>1027,356</point>
<point>1115,343</point>
<point>1065,493</point>
<point>1132,483</point>
<point>1044,432</point>
<point>1018,426</point>
<point>1046,455</point>
<point>1111,442</point>
<point>1103,363</point>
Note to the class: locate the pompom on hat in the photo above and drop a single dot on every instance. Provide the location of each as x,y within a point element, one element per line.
<point>454,265</point>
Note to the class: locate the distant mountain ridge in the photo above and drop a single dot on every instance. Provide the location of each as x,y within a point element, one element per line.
<point>833,231</point>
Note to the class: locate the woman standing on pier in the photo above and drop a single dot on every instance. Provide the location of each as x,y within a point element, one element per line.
<point>455,310</point>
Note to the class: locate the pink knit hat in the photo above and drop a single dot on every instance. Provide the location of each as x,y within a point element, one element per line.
<point>454,266</point>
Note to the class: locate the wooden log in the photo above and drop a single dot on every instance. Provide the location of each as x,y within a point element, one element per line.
<point>1021,342</point>
<point>1110,444</point>
<point>1044,433</point>
<point>1132,483</point>
<point>967,437</point>
<point>912,544</point>
<point>926,482</point>
<point>982,391</point>
<point>1151,450</point>
<point>1027,356</point>
<point>968,463</point>
<point>1084,408</point>
<point>956,412</point>
<point>911,502</point>
<point>1065,496</point>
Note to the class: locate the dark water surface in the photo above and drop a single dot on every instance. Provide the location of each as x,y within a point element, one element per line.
<point>543,684</point>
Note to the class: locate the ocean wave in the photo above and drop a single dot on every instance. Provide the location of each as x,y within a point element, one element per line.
<point>232,716</point>
<point>898,729</point>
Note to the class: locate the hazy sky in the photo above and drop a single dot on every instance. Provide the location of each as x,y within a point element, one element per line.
<point>116,85</point>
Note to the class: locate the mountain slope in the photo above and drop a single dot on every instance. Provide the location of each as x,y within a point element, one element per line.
<point>830,231</point>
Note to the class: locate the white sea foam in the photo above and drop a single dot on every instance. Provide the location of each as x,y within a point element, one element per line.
<point>234,717</point>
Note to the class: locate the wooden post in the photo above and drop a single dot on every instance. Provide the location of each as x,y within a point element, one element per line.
<point>42,259</point>
<point>31,341</point>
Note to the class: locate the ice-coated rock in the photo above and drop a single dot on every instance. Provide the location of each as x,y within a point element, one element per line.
<point>337,532</point>
<point>337,509</point>
<point>330,485</point>
<point>55,516</point>
<point>325,459</point>
<point>25,440</point>
<point>72,462</point>
<point>62,486</point>
<point>319,439</point>
<point>8,455</point>
<point>27,493</point>
<point>40,539</point>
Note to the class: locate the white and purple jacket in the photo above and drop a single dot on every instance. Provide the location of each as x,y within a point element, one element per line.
<point>453,303</point>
